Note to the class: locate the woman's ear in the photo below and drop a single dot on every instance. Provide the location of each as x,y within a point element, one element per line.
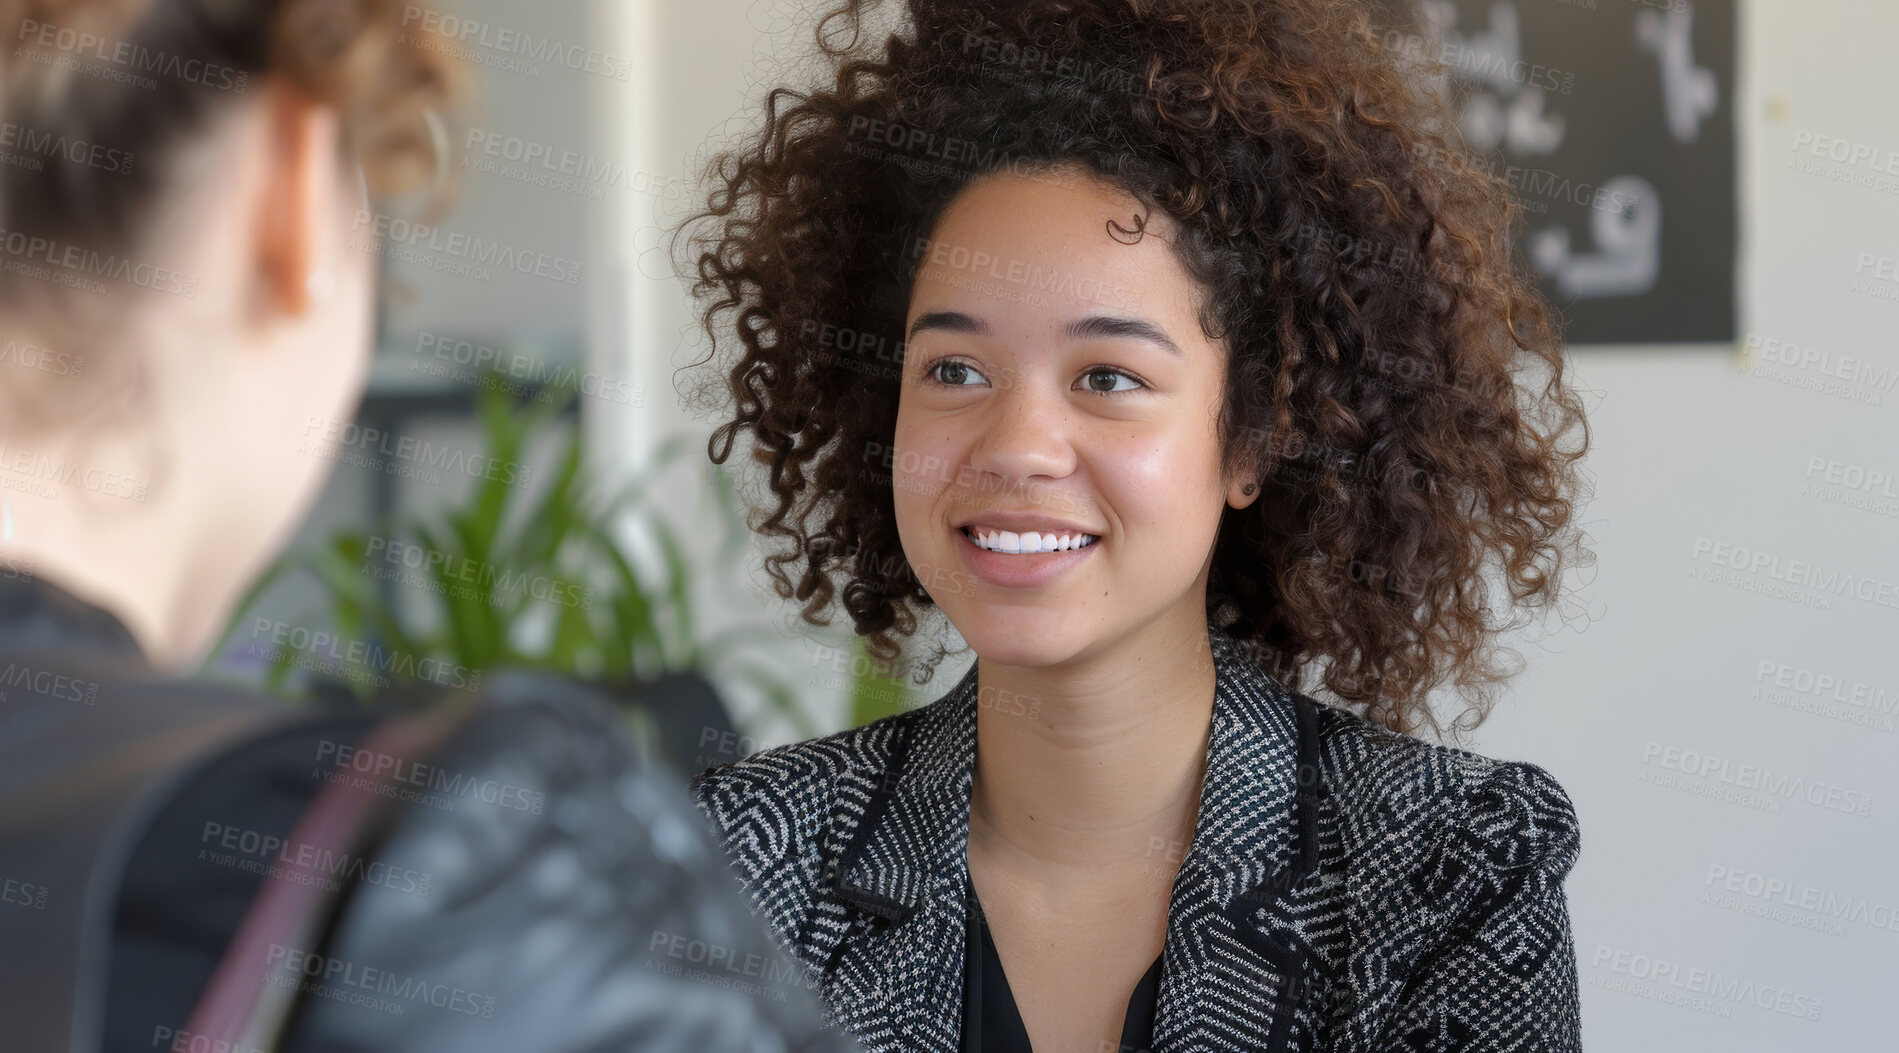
<point>296,134</point>
<point>1243,487</point>
<point>1240,495</point>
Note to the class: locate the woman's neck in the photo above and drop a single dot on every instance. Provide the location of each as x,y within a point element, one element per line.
<point>1094,771</point>
<point>123,564</point>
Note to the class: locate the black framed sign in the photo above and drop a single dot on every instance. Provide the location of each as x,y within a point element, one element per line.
<point>1614,122</point>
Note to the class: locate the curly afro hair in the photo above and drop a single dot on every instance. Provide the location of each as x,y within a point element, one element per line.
<point>1360,270</point>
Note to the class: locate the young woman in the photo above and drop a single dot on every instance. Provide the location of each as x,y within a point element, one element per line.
<point>1169,351</point>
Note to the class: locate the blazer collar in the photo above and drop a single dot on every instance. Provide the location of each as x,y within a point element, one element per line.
<point>1254,841</point>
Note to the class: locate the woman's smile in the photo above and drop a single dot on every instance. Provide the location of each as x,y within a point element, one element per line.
<point>1022,569</point>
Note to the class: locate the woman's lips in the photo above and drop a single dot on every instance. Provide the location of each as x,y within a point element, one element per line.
<point>1019,570</point>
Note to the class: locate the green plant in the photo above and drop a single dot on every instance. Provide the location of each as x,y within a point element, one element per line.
<point>543,586</point>
<point>872,695</point>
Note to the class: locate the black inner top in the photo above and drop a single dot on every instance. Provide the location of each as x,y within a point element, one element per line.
<point>991,1023</point>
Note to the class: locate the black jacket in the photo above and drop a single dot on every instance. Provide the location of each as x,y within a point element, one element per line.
<point>1346,889</point>
<point>539,892</point>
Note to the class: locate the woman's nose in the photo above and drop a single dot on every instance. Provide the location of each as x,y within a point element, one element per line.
<point>1024,431</point>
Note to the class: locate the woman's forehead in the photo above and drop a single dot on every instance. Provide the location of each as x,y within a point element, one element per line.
<point>1070,195</point>
<point>1011,249</point>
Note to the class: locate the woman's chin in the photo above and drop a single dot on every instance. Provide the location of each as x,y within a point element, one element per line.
<point>1022,637</point>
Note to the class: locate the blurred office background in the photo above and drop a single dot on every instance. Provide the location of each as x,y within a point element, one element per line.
<point>1722,702</point>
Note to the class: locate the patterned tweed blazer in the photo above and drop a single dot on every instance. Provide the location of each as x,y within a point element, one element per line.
<point>1347,888</point>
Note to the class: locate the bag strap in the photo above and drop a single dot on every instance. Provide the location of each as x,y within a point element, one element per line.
<point>249,998</point>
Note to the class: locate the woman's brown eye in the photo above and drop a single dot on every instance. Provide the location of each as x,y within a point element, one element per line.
<point>1112,375</point>
<point>940,372</point>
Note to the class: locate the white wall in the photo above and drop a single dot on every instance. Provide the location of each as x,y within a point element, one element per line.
<point>1691,448</point>
<point>1696,449</point>
<point>698,84</point>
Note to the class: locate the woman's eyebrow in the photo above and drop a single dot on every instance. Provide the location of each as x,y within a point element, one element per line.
<point>1101,325</point>
<point>1094,325</point>
<point>948,322</point>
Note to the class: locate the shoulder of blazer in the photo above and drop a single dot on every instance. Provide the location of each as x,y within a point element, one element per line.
<point>1448,819</point>
<point>771,809</point>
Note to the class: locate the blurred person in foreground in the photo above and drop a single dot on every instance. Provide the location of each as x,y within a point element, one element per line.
<point>187,866</point>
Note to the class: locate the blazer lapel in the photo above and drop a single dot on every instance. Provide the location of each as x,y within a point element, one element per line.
<point>1238,963</point>
<point>894,864</point>
<point>1238,959</point>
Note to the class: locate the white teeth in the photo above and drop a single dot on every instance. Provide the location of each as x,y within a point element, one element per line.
<point>1028,541</point>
